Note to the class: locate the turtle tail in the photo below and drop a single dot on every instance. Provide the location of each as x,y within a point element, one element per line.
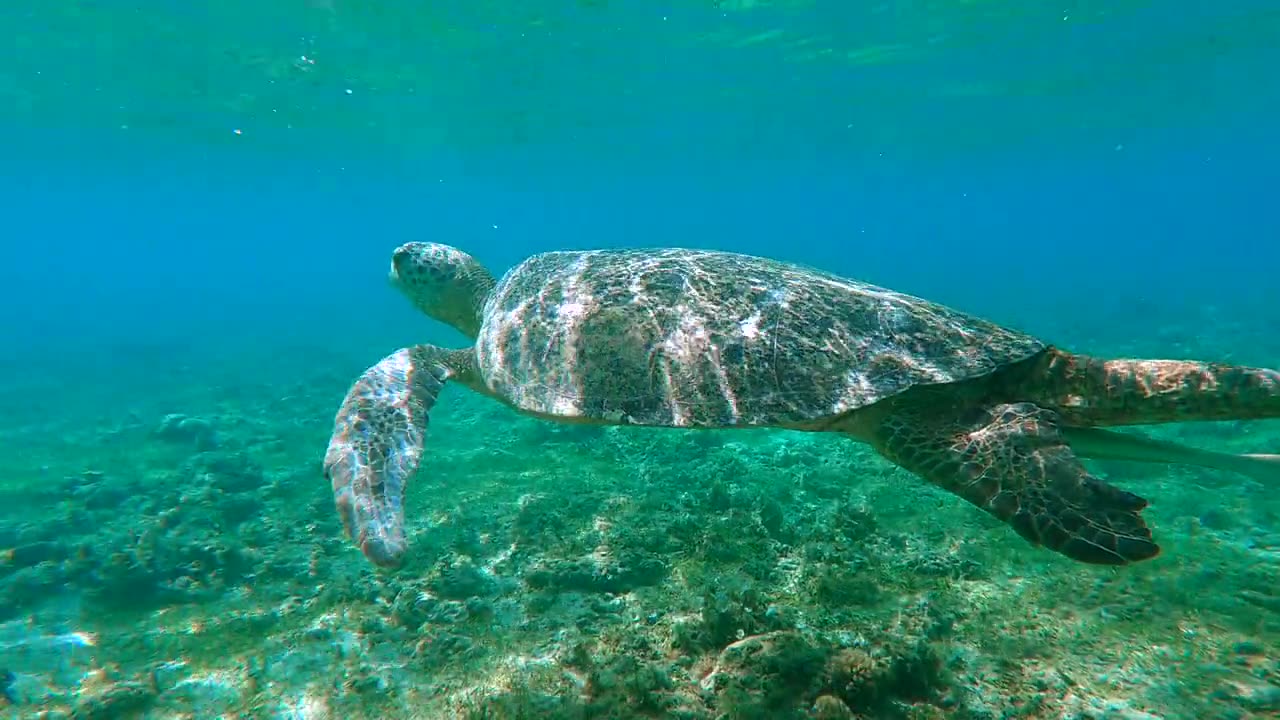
<point>1091,391</point>
<point>377,445</point>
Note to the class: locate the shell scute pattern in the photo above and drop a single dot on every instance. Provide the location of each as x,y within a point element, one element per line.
<point>703,338</point>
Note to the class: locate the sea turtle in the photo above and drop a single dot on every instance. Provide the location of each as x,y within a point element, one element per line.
<point>689,338</point>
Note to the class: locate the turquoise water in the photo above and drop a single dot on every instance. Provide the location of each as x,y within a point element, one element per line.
<point>201,204</point>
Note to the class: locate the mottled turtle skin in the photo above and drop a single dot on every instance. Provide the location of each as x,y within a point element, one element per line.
<point>683,338</point>
<point>688,338</point>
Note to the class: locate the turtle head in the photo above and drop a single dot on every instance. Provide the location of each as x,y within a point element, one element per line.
<point>443,282</point>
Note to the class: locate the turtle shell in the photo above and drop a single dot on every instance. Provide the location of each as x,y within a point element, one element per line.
<point>679,338</point>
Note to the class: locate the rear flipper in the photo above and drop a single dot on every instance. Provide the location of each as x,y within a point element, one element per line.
<point>1013,461</point>
<point>377,445</point>
<point>1109,445</point>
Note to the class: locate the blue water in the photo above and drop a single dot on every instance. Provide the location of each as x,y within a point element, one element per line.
<point>186,195</point>
<point>111,239</point>
<point>1072,161</point>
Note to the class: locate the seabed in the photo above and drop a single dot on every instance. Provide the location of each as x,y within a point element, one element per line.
<point>170,550</point>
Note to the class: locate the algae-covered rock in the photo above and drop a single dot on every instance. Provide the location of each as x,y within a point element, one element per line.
<point>769,675</point>
<point>589,575</point>
<point>438,646</point>
<point>205,695</point>
<point>459,578</point>
<point>830,707</point>
<point>179,428</point>
<point>225,470</point>
<point>117,700</point>
<point>625,685</point>
<point>870,679</point>
<point>24,690</point>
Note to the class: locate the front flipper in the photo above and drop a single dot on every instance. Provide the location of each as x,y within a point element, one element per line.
<point>1013,461</point>
<point>377,445</point>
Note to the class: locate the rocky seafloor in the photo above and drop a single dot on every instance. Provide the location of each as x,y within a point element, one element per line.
<point>176,555</point>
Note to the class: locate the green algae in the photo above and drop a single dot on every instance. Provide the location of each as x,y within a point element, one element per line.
<point>586,572</point>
